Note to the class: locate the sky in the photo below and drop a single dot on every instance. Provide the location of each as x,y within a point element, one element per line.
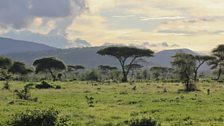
<point>153,24</point>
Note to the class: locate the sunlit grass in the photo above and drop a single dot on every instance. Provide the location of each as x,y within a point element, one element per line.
<point>116,103</point>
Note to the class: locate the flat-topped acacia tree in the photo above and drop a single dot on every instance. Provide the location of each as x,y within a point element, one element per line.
<point>49,64</point>
<point>126,57</point>
<point>217,62</point>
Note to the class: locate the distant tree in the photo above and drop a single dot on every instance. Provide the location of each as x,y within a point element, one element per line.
<point>133,67</point>
<point>200,60</point>
<point>124,55</point>
<point>5,64</point>
<point>161,72</point>
<point>19,68</point>
<point>50,65</point>
<point>75,67</point>
<point>217,62</point>
<point>184,65</point>
<point>106,69</point>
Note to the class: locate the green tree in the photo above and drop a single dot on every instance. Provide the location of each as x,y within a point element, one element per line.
<point>217,62</point>
<point>19,68</point>
<point>49,64</point>
<point>126,56</point>
<point>161,72</point>
<point>200,60</point>
<point>184,65</point>
<point>5,64</point>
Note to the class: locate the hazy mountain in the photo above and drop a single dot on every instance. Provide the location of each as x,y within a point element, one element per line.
<point>88,57</point>
<point>17,46</point>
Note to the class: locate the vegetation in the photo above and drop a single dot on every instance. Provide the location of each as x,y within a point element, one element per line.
<point>46,117</point>
<point>50,65</point>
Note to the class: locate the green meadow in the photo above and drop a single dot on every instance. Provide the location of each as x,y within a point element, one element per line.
<point>113,104</point>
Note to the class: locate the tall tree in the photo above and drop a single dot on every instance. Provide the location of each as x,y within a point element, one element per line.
<point>124,55</point>
<point>184,65</point>
<point>217,62</point>
<point>49,64</point>
<point>200,60</point>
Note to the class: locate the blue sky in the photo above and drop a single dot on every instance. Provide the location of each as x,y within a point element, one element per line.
<point>154,24</point>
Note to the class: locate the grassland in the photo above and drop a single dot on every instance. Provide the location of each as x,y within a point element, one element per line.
<point>114,104</point>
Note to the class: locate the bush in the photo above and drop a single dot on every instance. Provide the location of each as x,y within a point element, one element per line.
<point>48,117</point>
<point>44,85</point>
<point>144,122</point>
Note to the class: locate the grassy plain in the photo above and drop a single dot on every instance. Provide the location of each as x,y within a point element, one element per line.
<point>114,104</point>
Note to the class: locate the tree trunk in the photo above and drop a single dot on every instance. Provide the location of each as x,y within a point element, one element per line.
<point>195,75</point>
<point>125,78</point>
<point>52,74</point>
<point>219,74</point>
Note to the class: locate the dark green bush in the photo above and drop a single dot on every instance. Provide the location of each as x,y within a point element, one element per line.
<point>144,122</point>
<point>48,117</point>
<point>44,85</point>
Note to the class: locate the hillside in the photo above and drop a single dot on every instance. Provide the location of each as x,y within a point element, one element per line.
<point>16,46</point>
<point>89,58</point>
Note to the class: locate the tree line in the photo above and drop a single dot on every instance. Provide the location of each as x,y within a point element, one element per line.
<point>185,67</point>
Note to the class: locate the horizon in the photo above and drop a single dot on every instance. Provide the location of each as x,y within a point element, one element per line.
<point>156,25</point>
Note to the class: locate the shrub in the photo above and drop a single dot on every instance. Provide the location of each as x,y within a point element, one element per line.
<point>48,117</point>
<point>44,85</point>
<point>144,122</point>
<point>23,94</point>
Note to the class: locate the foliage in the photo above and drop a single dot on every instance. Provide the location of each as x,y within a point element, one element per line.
<point>24,94</point>
<point>38,117</point>
<point>5,63</point>
<point>161,73</point>
<point>44,85</point>
<point>200,60</point>
<point>184,65</point>
<point>217,62</point>
<point>124,54</point>
<point>144,122</point>
<point>48,65</point>
<point>75,67</point>
<point>19,68</point>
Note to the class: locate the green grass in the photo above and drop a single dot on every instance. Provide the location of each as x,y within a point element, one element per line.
<point>116,103</point>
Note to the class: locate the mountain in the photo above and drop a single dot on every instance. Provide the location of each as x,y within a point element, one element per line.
<point>16,46</point>
<point>163,58</point>
<point>88,57</point>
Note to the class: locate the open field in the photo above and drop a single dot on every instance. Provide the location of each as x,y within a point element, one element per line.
<point>113,104</point>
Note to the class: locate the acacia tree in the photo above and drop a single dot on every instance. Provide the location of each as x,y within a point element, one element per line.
<point>200,60</point>
<point>184,65</point>
<point>217,62</point>
<point>105,69</point>
<point>161,72</point>
<point>49,64</point>
<point>133,67</point>
<point>19,68</point>
<point>74,69</point>
<point>124,55</point>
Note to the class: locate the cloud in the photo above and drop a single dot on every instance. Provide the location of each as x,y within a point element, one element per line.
<point>145,45</point>
<point>162,18</point>
<point>20,13</point>
<point>80,43</point>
